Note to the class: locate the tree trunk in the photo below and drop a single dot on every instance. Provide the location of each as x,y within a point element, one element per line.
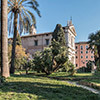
<point>12,68</point>
<point>4,42</point>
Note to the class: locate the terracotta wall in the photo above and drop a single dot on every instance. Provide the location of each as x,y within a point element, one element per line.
<point>83,55</point>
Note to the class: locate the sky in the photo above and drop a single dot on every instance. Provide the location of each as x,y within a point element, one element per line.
<point>85,16</point>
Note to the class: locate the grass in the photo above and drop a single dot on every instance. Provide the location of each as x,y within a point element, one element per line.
<point>87,79</point>
<point>31,87</point>
<point>93,81</point>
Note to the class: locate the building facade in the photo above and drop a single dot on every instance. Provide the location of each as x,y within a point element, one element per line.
<point>83,55</point>
<point>36,42</point>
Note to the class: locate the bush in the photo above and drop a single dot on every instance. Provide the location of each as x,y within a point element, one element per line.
<point>70,68</point>
<point>20,57</point>
<point>45,62</point>
<point>88,68</point>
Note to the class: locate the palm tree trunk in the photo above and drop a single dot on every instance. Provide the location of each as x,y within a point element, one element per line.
<point>12,69</point>
<point>4,42</point>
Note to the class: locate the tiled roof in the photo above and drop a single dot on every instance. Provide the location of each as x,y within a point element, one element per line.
<point>32,35</point>
<point>84,42</point>
<point>39,34</point>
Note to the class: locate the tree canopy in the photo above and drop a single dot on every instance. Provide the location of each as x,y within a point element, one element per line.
<point>94,44</point>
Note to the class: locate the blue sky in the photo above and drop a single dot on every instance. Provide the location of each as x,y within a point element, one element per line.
<point>85,16</point>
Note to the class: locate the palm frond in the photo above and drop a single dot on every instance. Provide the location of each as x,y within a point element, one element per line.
<point>11,1</point>
<point>32,16</point>
<point>33,6</point>
<point>11,4</point>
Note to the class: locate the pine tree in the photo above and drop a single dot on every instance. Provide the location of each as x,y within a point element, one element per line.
<point>59,35</point>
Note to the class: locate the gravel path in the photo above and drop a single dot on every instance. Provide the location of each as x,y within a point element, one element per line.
<point>85,87</point>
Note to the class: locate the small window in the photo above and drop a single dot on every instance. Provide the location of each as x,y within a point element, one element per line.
<point>47,41</point>
<point>76,57</point>
<point>81,52</point>
<point>36,42</point>
<point>81,56</point>
<point>83,62</point>
<point>86,47</point>
<point>91,51</point>
<point>81,47</point>
<point>91,56</point>
<point>76,65</point>
<point>76,47</point>
<point>86,56</point>
<point>76,52</point>
<point>34,36</point>
<point>86,60</point>
<point>46,34</point>
<point>86,52</point>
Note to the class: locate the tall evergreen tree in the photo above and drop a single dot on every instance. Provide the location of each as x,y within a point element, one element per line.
<point>59,35</point>
<point>59,49</point>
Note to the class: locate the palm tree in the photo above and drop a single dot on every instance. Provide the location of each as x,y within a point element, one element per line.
<point>4,41</point>
<point>21,17</point>
<point>94,44</point>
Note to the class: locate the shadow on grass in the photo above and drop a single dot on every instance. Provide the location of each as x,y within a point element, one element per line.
<point>48,91</point>
<point>63,77</point>
<point>75,77</point>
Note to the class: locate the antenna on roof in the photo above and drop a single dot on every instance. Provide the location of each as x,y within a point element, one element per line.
<point>70,18</point>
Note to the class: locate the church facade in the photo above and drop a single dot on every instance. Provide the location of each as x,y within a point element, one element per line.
<point>37,42</point>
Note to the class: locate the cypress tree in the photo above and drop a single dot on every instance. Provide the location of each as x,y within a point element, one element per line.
<point>59,35</point>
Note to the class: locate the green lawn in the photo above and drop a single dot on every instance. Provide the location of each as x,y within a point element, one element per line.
<point>31,87</point>
<point>92,81</point>
<point>87,79</point>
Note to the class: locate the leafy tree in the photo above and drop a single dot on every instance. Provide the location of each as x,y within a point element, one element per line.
<point>54,57</point>
<point>45,64</point>
<point>4,41</point>
<point>20,18</point>
<point>89,66</point>
<point>70,68</point>
<point>94,44</point>
<point>20,55</point>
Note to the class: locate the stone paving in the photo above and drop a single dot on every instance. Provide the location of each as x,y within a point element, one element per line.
<point>85,87</point>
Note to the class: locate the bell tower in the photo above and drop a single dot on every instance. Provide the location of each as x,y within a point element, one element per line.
<point>33,29</point>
